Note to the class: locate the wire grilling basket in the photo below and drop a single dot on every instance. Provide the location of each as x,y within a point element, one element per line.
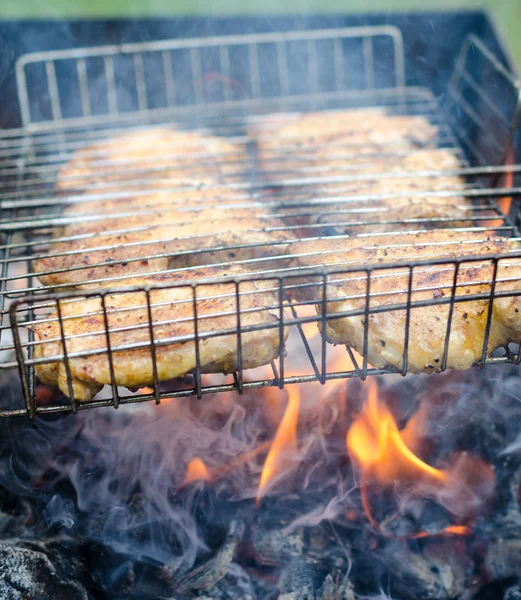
<point>260,287</point>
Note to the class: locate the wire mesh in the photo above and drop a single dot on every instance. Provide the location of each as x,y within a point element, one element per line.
<point>271,195</point>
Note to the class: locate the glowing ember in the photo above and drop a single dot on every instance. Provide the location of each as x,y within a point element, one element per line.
<point>385,457</point>
<point>283,451</point>
<point>196,471</point>
<point>451,530</point>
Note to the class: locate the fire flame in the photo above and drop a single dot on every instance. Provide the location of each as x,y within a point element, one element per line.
<point>385,457</point>
<point>310,328</point>
<point>145,390</point>
<point>378,446</point>
<point>505,202</point>
<point>283,450</point>
<point>196,470</point>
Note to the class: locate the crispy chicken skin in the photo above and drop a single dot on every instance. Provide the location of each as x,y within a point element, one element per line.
<point>157,239</point>
<point>346,293</point>
<point>151,153</point>
<point>173,327</point>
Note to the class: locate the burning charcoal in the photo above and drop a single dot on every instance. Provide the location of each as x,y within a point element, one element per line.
<point>206,574</point>
<point>503,558</point>
<point>30,570</point>
<point>235,585</point>
<point>334,588</point>
<point>302,574</point>
<point>415,576</point>
<point>337,588</point>
<point>273,547</point>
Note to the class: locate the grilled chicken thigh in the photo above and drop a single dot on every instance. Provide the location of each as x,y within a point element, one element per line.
<point>430,284</point>
<point>173,330</point>
<point>149,154</point>
<point>362,167</point>
<point>323,133</point>
<point>156,239</point>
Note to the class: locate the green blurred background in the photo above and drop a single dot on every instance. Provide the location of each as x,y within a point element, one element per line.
<point>506,13</point>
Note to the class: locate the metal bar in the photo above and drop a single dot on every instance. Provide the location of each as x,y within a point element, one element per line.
<point>405,364</point>
<point>490,311</point>
<point>304,339</point>
<point>196,344</point>
<point>110,356</point>
<point>449,318</point>
<point>312,66</point>
<point>53,90</point>
<point>131,118</point>
<point>324,328</point>
<point>368,62</point>
<point>282,63</point>
<point>253,61</point>
<point>239,371</point>
<point>354,361</point>
<point>338,64</point>
<point>30,406</point>
<point>205,42</point>
<point>83,81</point>
<point>141,86</point>
<point>281,333</point>
<point>153,354</point>
<point>169,78</point>
<point>66,363</point>
<point>111,85</point>
<point>224,54</point>
<point>197,76</point>
<point>365,323</point>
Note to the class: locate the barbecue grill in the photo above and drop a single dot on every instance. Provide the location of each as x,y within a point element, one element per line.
<point>70,98</point>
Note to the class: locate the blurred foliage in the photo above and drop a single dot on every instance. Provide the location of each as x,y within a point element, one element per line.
<point>506,13</point>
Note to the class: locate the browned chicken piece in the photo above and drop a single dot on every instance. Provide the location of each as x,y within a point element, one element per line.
<point>346,296</point>
<point>155,240</point>
<point>360,204</point>
<point>345,160</point>
<point>161,194</point>
<point>173,330</point>
<point>150,154</point>
<point>322,134</point>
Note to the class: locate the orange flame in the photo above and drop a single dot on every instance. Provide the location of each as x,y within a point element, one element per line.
<point>283,449</point>
<point>376,443</point>
<point>385,457</point>
<point>145,390</point>
<point>310,328</point>
<point>505,202</point>
<point>195,471</point>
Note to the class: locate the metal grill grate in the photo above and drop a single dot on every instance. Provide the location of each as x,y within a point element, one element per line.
<point>361,72</point>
